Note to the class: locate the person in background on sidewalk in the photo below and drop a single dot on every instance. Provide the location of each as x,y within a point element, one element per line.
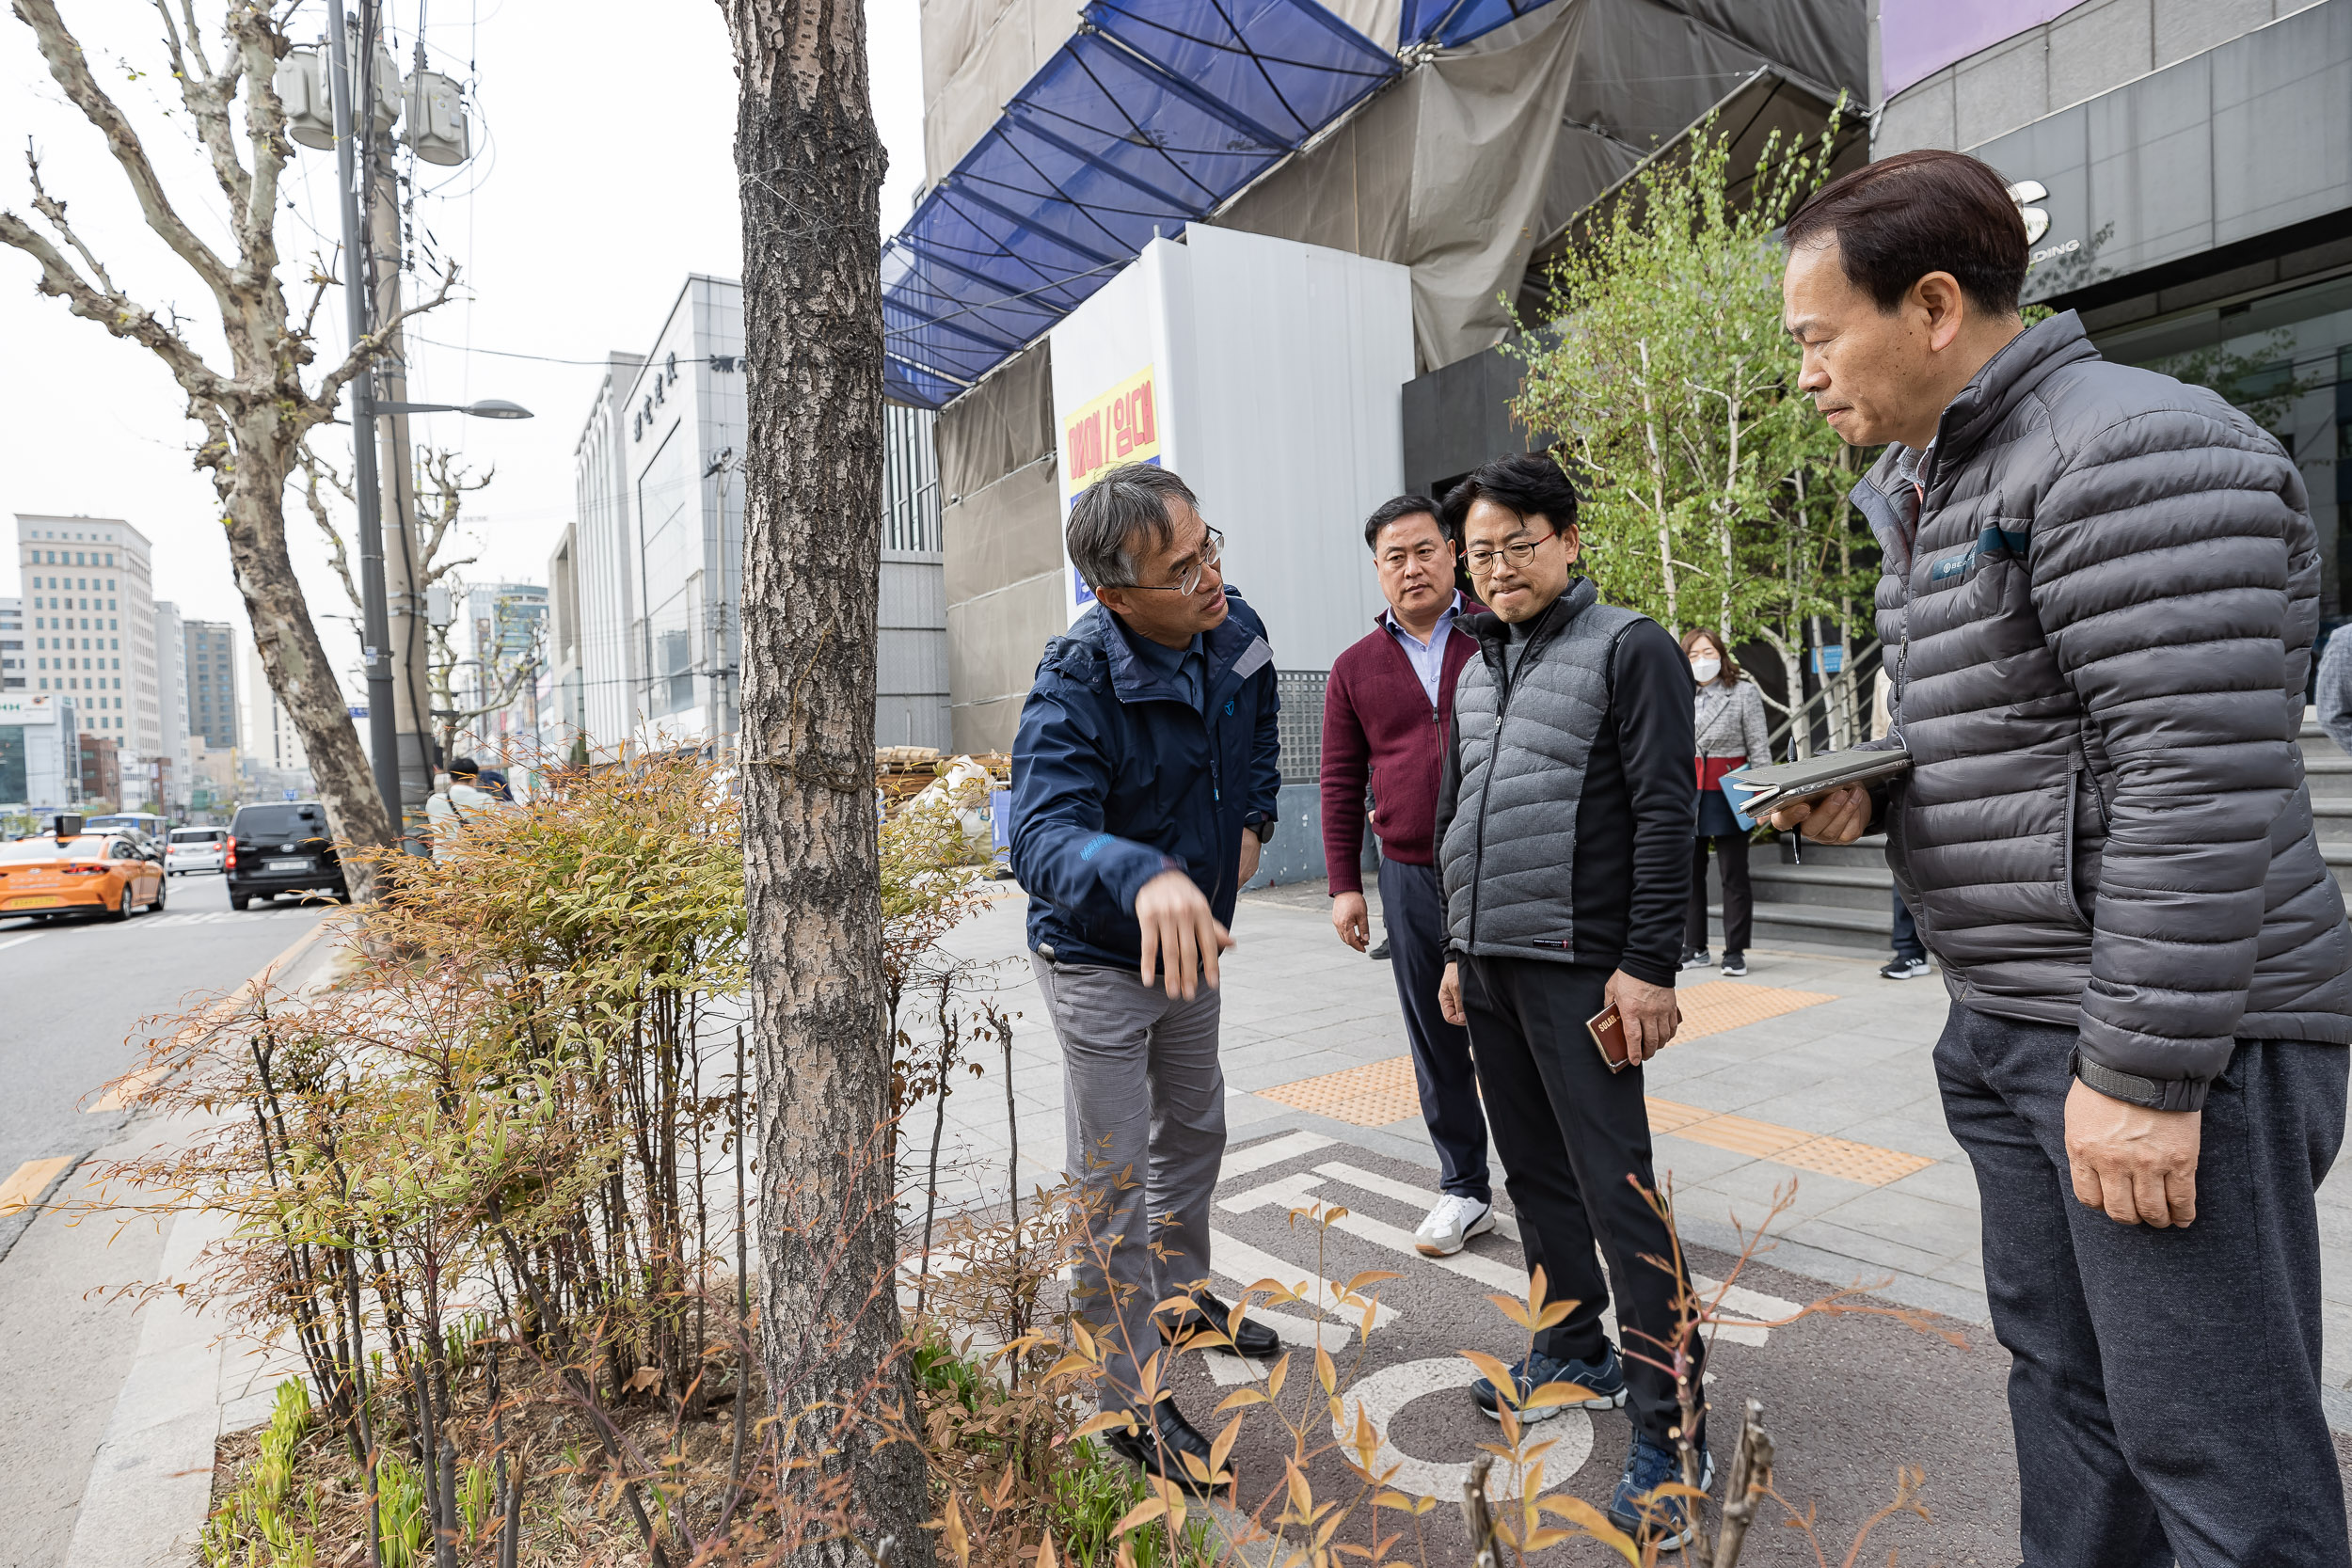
<point>1910,961</point>
<point>1730,729</point>
<point>2333,689</point>
<point>1564,848</point>
<point>1384,713</point>
<point>1145,774</point>
<point>2105,584</point>
<point>457,796</point>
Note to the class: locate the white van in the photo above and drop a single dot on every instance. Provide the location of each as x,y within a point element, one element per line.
<point>196,849</point>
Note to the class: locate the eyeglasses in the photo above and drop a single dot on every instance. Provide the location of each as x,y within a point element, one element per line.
<point>1211,548</point>
<point>1521,551</point>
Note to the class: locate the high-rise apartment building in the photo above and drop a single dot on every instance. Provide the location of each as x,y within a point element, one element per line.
<point>89,601</point>
<point>211,657</point>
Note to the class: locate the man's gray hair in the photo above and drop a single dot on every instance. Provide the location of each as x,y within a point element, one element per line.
<point>1120,516</point>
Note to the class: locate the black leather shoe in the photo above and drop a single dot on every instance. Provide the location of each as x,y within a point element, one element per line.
<point>1175,1436</point>
<point>1254,1339</point>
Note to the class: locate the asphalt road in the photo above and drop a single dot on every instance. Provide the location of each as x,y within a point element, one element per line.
<point>79,998</point>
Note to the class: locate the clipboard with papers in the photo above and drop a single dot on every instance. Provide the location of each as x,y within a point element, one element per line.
<point>1757,792</point>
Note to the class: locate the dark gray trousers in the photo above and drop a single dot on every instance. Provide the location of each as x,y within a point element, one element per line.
<point>1143,1113</point>
<point>2164,1391</point>
<point>1413,908</point>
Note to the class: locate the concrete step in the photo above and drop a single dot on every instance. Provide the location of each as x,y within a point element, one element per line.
<point>1833,928</point>
<point>1870,851</point>
<point>1850,887</point>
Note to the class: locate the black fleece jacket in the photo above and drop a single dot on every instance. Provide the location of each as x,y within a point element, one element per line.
<point>1634,821</point>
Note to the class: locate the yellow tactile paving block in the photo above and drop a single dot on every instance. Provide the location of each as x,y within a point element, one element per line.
<point>1372,1095</point>
<point>1714,1005</point>
<point>1378,1093</point>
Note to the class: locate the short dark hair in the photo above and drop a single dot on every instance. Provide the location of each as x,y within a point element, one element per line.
<point>464,768</point>
<point>1531,486</point>
<point>1904,217</point>
<point>1108,516</point>
<point>1396,512</point>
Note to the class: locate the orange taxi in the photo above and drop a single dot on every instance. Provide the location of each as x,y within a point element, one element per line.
<point>107,873</point>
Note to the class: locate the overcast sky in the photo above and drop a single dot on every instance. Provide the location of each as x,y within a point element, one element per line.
<point>603,175</point>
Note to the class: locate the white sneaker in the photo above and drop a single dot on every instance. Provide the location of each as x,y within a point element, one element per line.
<point>1453,1221</point>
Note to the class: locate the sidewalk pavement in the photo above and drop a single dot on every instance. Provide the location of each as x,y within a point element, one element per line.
<point>1812,1076</point>
<point>113,1409</point>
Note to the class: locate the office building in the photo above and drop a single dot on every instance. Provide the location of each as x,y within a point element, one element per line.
<point>2183,167</point>
<point>271,760</point>
<point>499,670</point>
<point>88,597</point>
<point>172,698</point>
<point>649,600</point>
<point>609,674</point>
<point>211,658</point>
<point>12,664</point>
<point>562,695</point>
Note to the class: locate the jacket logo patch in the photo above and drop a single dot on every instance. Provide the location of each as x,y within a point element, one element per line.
<point>1087,851</point>
<point>1228,707</point>
<point>1993,543</point>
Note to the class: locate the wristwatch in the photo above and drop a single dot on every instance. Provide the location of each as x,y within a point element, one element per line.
<point>1261,823</point>
<point>2154,1094</point>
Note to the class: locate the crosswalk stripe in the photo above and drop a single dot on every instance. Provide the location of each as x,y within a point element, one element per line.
<point>1273,1153</point>
<point>1295,1192</point>
<point>1245,1265</point>
<point>29,1180</point>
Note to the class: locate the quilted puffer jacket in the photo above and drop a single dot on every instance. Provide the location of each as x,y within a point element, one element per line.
<point>2098,605</point>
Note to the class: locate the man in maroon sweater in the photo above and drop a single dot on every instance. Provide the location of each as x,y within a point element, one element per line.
<point>1386,714</point>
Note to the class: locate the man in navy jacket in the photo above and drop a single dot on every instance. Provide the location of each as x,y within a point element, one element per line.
<point>1144,781</point>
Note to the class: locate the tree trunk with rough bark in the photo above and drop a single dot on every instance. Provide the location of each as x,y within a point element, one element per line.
<point>809,166</point>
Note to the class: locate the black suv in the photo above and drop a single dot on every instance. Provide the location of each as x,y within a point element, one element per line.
<point>283,848</point>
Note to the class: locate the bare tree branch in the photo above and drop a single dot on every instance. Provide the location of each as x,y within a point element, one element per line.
<point>70,68</point>
<point>112,309</point>
<point>450,485</point>
<point>313,468</point>
<point>365,351</point>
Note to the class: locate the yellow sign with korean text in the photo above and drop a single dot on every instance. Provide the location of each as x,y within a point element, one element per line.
<point>1123,425</point>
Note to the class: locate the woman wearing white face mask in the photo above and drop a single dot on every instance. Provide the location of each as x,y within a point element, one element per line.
<point>1731,732</point>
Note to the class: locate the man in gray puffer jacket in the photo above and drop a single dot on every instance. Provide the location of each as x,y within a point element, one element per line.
<point>2100,593</point>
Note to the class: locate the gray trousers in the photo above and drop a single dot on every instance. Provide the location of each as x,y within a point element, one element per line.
<point>1143,1101</point>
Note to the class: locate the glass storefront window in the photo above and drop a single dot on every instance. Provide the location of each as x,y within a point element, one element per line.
<point>2285,359</point>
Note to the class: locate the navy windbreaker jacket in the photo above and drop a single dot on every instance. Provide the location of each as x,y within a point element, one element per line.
<point>1117,778</point>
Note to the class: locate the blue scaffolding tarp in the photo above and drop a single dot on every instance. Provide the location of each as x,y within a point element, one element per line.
<point>1151,115</point>
<point>1447,23</point>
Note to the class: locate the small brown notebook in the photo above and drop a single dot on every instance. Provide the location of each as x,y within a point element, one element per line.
<point>1608,1031</point>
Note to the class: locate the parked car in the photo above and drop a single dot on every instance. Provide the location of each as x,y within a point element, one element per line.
<point>108,874</point>
<point>280,847</point>
<point>196,849</point>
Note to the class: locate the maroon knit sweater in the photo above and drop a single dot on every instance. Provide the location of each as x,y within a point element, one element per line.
<point>1378,729</point>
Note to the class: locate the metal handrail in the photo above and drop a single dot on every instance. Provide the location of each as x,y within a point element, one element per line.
<point>1818,703</point>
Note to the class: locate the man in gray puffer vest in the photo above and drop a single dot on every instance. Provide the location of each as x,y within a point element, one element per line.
<point>2100,593</point>
<point>1564,814</point>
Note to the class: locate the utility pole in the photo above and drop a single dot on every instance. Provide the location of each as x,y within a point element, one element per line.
<point>396,465</point>
<point>375,636</point>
